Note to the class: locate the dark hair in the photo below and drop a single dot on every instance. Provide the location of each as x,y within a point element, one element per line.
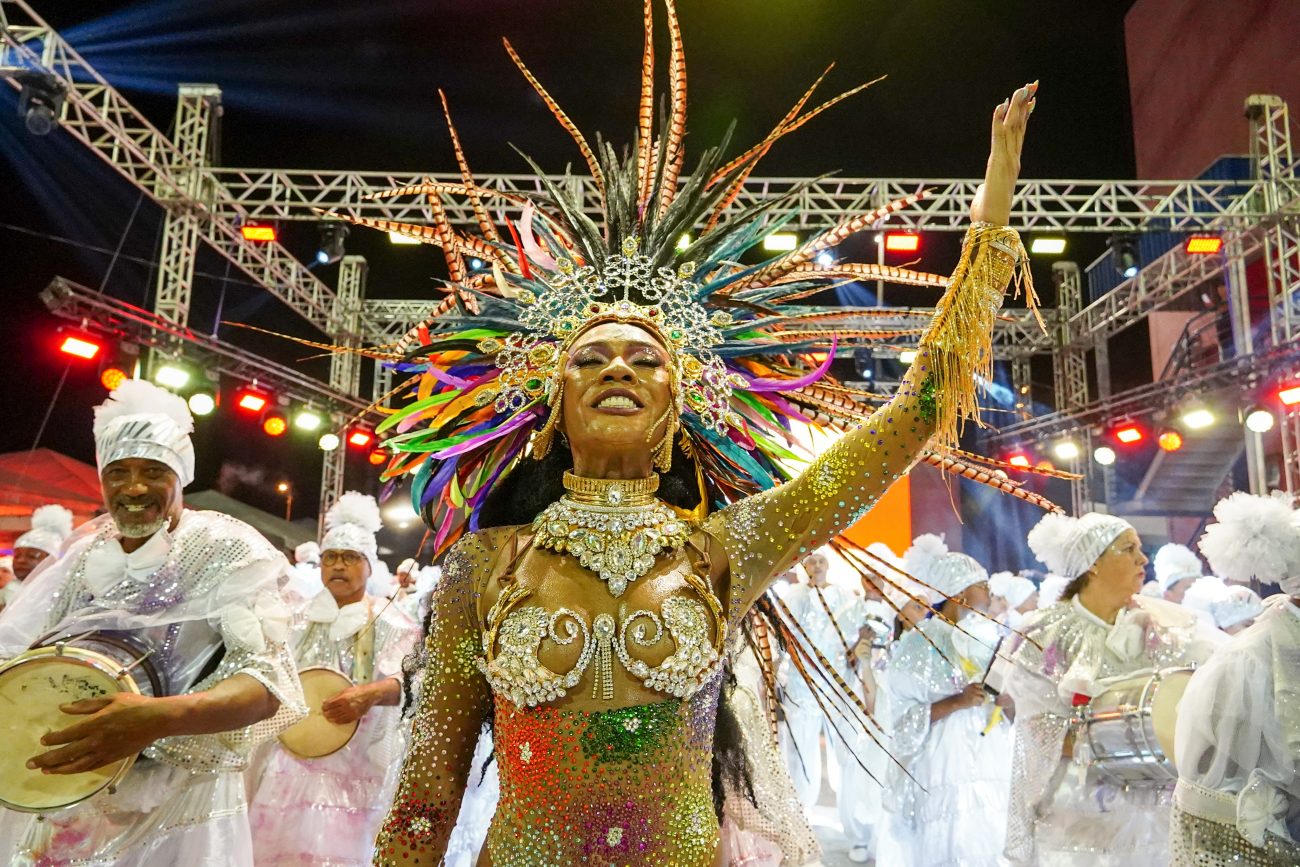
<point>730,761</point>
<point>1072,589</point>
<point>531,486</point>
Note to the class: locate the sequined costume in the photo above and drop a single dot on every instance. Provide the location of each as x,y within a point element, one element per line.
<point>595,763</point>
<point>326,811</point>
<point>1238,744</point>
<point>1061,812</point>
<point>946,798</point>
<point>205,598</point>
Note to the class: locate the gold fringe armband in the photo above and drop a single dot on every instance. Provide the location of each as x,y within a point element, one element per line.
<point>959,341</point>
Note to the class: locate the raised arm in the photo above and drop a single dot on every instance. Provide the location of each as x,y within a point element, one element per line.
<point>454,704</point>
<point>764,534</point>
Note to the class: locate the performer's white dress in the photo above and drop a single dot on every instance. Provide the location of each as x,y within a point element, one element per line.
<point>946,799</point>
<point>327,811</point>
<point>205,598</point>
<point>1063,813</point>
<point>1238,748</point>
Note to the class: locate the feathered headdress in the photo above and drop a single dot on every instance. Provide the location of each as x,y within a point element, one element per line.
<point>1255,537</point>
<point>51,525</point>
<point>141,420</point>
<point>485,370</point>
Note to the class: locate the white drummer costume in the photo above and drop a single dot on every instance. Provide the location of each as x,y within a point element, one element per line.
<point>1238,736</point>
<point>327,810</point>
<point>203,598</point>
<point>1063,812</point>
<point>946,793</point>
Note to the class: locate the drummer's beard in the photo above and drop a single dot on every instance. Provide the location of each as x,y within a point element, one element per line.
<point>140,530</point>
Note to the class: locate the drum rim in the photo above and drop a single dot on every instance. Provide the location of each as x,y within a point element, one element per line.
<point>120,640</point>
<point>89,659</point>
<point>1154,679</point>
<point>355,724</point>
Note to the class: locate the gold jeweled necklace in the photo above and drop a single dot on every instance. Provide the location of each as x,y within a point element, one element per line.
<point>615,527</point>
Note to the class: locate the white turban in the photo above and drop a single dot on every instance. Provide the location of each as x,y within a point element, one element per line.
<point>1011,587</point>
<point>1070,546</point>
<point>51,525</point>
<point>307,552</point>
<point>947,572</point>
<point>351,525</point>
<point>141,420</point>
<point>1174,563</point>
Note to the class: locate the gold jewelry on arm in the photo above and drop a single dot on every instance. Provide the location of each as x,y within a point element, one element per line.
<point>765,533</point>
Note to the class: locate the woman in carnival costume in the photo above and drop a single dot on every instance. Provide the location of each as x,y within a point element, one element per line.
<point>597,431</point>
<point>1238,737</point>
<point>1062,811</point>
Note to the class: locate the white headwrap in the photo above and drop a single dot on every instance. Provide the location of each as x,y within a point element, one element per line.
<point>51,526</point>
<point>1070,546</point>
<point>351,525</point>
<point>141,420</point>
<point>307,552</point>
<point>1255,537</point>
<point>1204,592</point>
<point>1011,587</point>
<point>948,572</point>
<point>1174,563</point>
<point>1237,605</point>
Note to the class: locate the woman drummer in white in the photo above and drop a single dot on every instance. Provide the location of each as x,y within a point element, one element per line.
<point>328,809</point>
<point>1062,812</point>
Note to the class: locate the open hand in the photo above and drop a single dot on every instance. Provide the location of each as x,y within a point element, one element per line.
<point>348,706</point>
<point>115,727</point>
<point>993,198</point>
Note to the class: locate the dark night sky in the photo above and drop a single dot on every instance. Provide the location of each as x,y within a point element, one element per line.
<point>352,85</point>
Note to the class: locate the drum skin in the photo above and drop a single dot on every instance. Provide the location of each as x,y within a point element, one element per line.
<point>1129,728</point>
<point>32,687</point>
<point>316,737</point>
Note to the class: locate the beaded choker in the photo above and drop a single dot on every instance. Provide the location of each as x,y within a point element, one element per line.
<point>615,527</point>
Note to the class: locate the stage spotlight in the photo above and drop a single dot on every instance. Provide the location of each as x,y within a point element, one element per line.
<point>112,377</point>
<point>1203,245</point>
<point>332,238</point>
<point>328,442</point>
<point>40,101</point>
<point>1259,420</point>
<point>1129,433</point>
<point>684,242</point>
<point>377,457</point>
<point>251,401</point>
<point>260,233</point>
<point>1170,440</point>
<point>902,242</point>
<point>1196,417</point>
<point>360,438</point>
<point>825,259</point>
<point>1020,460</point>
<point>307,420</point>
<point>907,356</point>
<point>781,242</point>
<point>171,376</point>
<point>1047,246</point>
<point>202,403</point>
<point>1289,395</point>
<point>475,264</point>
<point>1104,455</point>
<point>399,238</point>
<point>80,347</point>
<point>1124,251</point>
<point>1066,450</point>
<point>274,423</point>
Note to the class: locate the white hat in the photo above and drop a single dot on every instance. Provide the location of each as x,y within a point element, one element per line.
<point>1011,587</point>
<point>141,420</point>
<point>1255,537</point>
<point>947,572</point>
<point>901,588</point>
<point>51,526</point>
<point>307,552</point>
<point>351,525</point>
<point>1174,563</point>
<point>1070,546</point>
<point>1204,592</point>
<point>1051,589</point>
<point>1237,605</point>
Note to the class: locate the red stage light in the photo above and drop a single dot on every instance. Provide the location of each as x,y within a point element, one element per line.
<point>360,438</point>
<point>1170,440</point>
<point>1203,245</point>
<point>260,233</point>
<point>1289,395</point>
<point>275,424</point>
<point>1019,461</point>
<point>1129,434</point>
<point>112,377</point>
<point>251,401</point>
<point>902,242</point>
<point>378,456</point>
<point>80,347</point>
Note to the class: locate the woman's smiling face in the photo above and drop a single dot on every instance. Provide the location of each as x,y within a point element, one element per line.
<point>617,388</point>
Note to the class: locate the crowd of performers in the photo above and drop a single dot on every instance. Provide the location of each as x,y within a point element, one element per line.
<point>621,660</point>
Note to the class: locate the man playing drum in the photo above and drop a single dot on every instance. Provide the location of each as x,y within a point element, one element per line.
<point>193,599</point>
<point>326,786</point>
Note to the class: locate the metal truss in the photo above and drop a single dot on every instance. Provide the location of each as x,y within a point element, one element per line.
<point>1040,206</point>
<point>105,122</point>
<point>345,371</point>
<point>112,317</point>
